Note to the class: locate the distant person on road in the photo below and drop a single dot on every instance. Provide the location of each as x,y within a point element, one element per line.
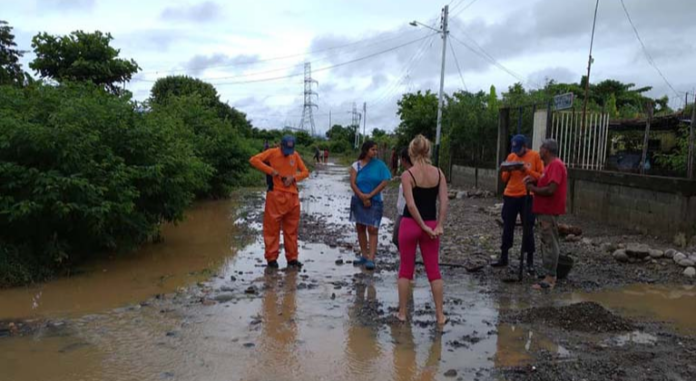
<point>317,153</point>
<point>401,200</point>
<point>549,203</point>
<point>394,162</point>
<point>326,156</point>
<point>368,177</point>
<point>422,225</point>
<point>265,145</point>
<point>516,201</point>
<point>286,168</point>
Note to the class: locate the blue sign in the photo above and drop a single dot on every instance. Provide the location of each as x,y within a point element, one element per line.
<point>563,101</point>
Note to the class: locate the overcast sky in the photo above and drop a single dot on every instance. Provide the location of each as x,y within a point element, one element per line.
<point>230,43</point>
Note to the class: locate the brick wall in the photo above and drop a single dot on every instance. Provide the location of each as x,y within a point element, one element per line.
<point>469,177</point>
<point>649,204</point>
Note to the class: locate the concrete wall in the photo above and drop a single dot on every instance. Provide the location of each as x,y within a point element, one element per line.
<point>649,204</point>
<point>469,177</point>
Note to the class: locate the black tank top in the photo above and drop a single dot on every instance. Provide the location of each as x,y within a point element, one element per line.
<point>425,199</point>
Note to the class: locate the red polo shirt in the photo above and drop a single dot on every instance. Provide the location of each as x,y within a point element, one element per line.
<point>555,204</point>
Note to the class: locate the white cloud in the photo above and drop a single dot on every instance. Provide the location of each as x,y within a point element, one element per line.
<point>536,39</point>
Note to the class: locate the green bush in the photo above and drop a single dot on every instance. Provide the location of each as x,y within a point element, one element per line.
<point>339,146</point>
<point>216,141</point>
<point>82,170</point>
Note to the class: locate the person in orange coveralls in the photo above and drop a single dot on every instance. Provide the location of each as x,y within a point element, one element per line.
<point>286,168</point>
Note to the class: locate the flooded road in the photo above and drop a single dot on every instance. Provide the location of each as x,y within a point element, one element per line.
<point>201,306</point>
<point>190,251</point>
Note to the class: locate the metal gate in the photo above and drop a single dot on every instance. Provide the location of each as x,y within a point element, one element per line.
<point>577,147</point>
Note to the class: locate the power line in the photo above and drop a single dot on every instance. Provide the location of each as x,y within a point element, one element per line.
<point>490,59</point>
<point>415,59</point>
<point>253,62</point>
<point>452,8</point>
<point>463,9</point>
<point>645,50</point>
<point>326,67</point>
<point>458,68</point>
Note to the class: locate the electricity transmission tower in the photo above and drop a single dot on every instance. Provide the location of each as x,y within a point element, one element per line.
<point>355,124</point>
<point>307,114</point>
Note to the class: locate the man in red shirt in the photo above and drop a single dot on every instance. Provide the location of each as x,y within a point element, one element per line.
<point>549,203</point>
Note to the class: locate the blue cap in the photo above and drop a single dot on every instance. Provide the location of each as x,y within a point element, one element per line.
<point>518,141</point>
<point>287,145</point>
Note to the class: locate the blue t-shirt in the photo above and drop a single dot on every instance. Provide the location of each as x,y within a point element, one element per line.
<point>371,175</point>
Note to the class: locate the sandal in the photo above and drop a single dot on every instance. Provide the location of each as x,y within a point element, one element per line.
<point>543,285</point>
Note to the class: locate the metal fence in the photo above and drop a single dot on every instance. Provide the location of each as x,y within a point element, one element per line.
<point>579,147</point>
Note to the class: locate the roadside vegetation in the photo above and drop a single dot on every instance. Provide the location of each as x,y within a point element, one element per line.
<point>85,169</point>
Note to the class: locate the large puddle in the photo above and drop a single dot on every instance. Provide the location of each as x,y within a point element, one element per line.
<point>675,305</point>
<point>308,325</point>
<point>190,251</point>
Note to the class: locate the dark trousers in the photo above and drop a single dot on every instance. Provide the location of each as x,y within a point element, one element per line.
<point>512,207</point>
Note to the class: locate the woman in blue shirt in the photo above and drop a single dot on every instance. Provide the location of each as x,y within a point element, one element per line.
<point>368,177</point>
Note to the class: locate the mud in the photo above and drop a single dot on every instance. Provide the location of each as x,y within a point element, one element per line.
<point>334,321</point>
<point>584,317</point>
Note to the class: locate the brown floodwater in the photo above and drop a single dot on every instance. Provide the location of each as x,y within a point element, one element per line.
<point>675,305</point>
<point>309,325</point>
<point>203,241</point>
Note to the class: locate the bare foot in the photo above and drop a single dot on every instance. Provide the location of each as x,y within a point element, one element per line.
<point>442,320</point>
<point>400,318</point>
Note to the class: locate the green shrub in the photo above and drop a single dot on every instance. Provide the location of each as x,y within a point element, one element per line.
<point>82,170</point>
<point>216,141</point>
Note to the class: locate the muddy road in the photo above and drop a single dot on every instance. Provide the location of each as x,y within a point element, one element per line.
<point>202,306</point>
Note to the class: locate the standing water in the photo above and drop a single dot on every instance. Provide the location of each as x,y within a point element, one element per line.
<point>326,322</point>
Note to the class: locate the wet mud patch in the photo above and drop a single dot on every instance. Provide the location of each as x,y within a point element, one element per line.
<point>585,317</point>
<point>672,360</point>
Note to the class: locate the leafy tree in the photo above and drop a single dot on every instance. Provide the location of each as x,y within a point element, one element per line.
<point>377,133</point>
<point>472,120</point>
<point>81,57</point>
<point>340,133</point>
<point>214,140</point>
<point>82,170</point>
<point>10,69</point>
<point>181,85</point>
<point>418,113</point>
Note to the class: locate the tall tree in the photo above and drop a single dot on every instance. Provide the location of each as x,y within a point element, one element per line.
<point>181,85</point>
<point>10,68</point>
<point>418,113</point>
<point>80,57</point>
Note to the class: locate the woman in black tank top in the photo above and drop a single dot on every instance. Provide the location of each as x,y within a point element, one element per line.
<point>422,225</point>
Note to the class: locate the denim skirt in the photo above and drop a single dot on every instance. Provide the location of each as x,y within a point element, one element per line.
<point>371,216</point>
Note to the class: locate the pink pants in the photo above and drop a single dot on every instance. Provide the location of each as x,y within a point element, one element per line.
<point>410,236</point>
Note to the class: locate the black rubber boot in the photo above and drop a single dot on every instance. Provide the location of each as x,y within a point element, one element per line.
<point>500,263</point>
<point>295,264</point>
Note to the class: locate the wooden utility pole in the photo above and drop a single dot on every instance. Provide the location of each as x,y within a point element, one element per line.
<point>646,138</point>
<point>589,67</point>
<point>503,142</point>
<point>690,158</point>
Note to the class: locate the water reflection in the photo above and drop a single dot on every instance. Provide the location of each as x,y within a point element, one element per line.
<point>405,353</point>
<point>363,349</point>
<point>675,304</point>
<point>515,345</point>
<point>277,355</point>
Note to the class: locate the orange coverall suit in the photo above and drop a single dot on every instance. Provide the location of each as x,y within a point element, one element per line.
<point>282,203</point>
